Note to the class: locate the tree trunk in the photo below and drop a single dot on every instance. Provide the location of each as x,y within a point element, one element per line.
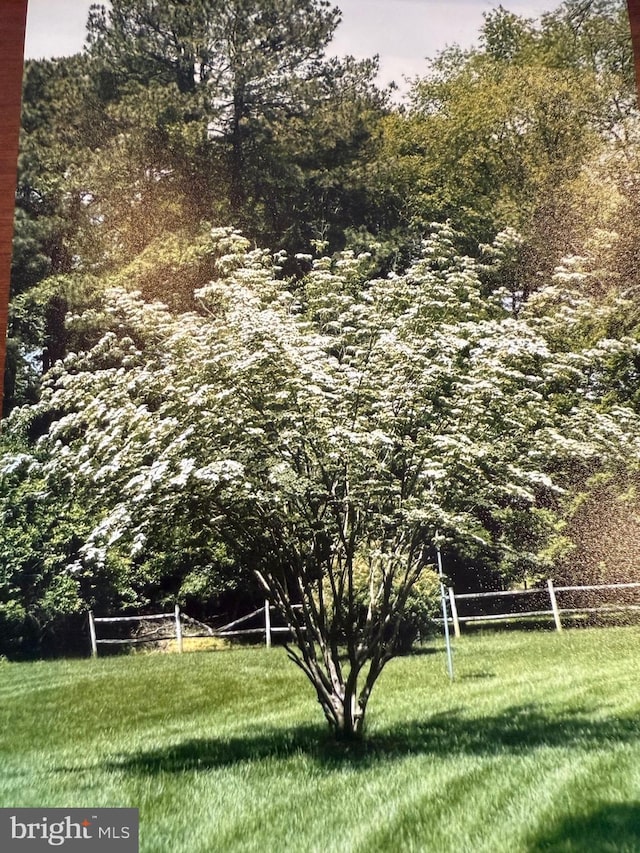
<point>343,710</point>
<point>237,193</point>
<point>352,727</point>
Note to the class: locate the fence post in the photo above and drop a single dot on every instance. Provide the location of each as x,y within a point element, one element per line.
<point>92,634</point>
<point>454,613</point>
<point>176,612</point>
<point>267,623</point>
<point>554,605</point>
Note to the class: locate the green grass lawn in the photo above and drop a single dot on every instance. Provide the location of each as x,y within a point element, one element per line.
<point>536,746</point>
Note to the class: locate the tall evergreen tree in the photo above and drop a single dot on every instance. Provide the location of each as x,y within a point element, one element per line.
<point>229,81</point>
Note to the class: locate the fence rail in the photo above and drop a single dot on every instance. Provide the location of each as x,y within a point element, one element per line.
<point>179,619</point>
<point>232,629</point>
<point>554,610</point>
<point>176,633</point>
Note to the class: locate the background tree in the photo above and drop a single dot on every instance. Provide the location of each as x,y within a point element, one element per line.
<point>232,94</point>
<point>62,122</point>
<point>516,132</point>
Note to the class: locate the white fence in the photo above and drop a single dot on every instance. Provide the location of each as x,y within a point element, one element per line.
<point>178,621</point>
<point>268,630</point>
<point>233,629</point>
<point>154,637</point>
<point>554,610</point>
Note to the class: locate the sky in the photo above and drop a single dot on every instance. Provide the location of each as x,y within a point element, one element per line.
<point>402,32</point>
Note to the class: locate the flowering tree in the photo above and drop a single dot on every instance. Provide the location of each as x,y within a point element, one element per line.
<point>326,436</point>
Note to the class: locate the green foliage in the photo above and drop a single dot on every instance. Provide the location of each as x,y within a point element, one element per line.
<point>532,130</point>
<point>502,143</point>
<point>601,535</point>
<point>421,608</point>
<point>42,531</point>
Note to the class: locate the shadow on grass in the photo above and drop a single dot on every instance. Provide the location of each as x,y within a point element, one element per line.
<point>517,730</point>
<point>421,651</point>
<point>476,675</point>
<point>611,828</point>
